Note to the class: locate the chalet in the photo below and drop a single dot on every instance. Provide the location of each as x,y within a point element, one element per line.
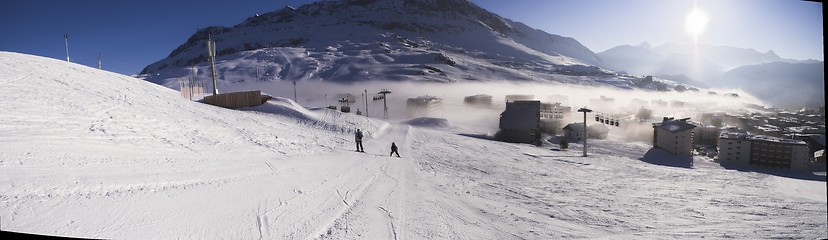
<point>674,136</point>
<point>574,132</point>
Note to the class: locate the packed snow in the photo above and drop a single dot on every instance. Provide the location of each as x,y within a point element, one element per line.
<point>93,154</point>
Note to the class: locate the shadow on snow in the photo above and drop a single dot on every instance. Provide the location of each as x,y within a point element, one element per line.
<point>803,175</point>
<point>660,157</point>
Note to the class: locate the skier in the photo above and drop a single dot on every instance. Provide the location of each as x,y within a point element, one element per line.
<point>394,150</point>
<point>358,138</point>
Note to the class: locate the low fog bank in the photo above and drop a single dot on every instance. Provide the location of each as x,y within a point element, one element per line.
<point>623,104</point>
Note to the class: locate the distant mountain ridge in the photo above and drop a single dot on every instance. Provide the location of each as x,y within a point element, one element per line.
<point>671,58</point>
<point>766,75</point>
<point>789,85</point>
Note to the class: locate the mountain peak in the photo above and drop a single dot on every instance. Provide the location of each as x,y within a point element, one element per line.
<point>772,54</point>
<point>644,44</point>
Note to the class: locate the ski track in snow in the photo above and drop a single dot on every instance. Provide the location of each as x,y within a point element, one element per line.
<point>102,155</point>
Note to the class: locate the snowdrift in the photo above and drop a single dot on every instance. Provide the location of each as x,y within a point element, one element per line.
<point>429,122</point>
<point>321,118</point>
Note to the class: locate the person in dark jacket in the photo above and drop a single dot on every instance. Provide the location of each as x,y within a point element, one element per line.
<point>394,150</point>
<point>358,139</point>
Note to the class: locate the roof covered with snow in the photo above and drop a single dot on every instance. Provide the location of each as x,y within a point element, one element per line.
<point>675,125</point>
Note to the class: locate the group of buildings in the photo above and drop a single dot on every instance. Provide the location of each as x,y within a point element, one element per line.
<point>679,136</point>
<point>524,121</point>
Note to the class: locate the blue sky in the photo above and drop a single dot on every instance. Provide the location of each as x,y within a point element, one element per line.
<point>133,34</point>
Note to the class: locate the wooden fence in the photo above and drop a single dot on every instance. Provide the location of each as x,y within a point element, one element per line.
<point>234,100</point>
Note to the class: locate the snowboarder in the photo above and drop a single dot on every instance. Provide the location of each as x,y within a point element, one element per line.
<point>394,150</point>
<point>358,138</point>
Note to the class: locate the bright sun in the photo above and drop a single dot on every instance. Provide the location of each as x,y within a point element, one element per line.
<point>695,22</point>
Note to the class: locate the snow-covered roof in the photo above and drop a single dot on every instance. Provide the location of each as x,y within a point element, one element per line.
<point>675,126</point>
<point>733,135</point>
<point>745,136</point>
<point>776,139</point>
<point>577,127</point>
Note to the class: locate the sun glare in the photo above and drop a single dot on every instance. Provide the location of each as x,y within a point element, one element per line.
<point>695,22</point>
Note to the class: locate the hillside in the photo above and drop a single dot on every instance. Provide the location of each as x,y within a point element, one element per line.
<point>640,60</point>
<point>401,40</point>
<point>88,153</point>
<point>789,85</point>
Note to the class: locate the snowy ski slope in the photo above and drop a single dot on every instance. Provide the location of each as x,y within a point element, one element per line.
<point>88,153</point>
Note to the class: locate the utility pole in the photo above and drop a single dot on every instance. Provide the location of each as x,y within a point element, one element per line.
<point>384,103</point>
<point>585,111</point>
<point>366,102</point>
<point>211,52</point>
<point>66,37</point>
<point>294,92</point>
<point>100,56</point>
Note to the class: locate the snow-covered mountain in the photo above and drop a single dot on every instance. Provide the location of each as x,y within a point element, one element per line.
<point>702,63</point>
<point>727,57</point>
<point>640,59</point>
<point>353,40</point>
<point>93,154</point>
<point>777,81</point>
<point>790,85</point>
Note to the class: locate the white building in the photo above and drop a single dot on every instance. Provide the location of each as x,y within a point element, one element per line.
<point>763,151</point>
<point>554,110</point>
<point>674,136</point>
<point>705,135</point>
<point>775,152</point>
<point>734,148</point>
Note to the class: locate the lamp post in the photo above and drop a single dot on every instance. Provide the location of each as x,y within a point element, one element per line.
<point>294,92</point>
<point>585,111</point>
<point>66,38</point>
<point>366,102</point>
